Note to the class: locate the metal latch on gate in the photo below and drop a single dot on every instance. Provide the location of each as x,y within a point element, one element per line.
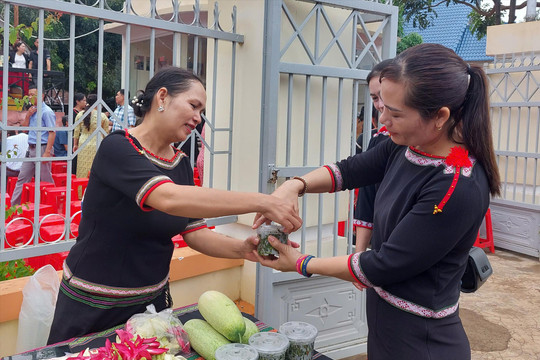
<point>272,174</point>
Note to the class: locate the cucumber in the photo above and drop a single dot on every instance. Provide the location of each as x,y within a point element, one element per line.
<point>222,314</point>
<point>204,339</point>
<point>251,329</point>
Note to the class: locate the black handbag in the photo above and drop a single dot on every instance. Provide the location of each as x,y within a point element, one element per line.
<point>477,272</point>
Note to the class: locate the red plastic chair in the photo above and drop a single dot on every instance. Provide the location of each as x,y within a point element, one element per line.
<point>28,190</point>
<point>8,201</point>
<point>178,241</point>
<point>28,210</point>
<point>61,179</point>
<point>80,185</point>
<point>19,232</point>
<point>56,197</point>
<point>59,167</point>
<point>488,240</point>
<point>56,260</point>
<point>11,182</point>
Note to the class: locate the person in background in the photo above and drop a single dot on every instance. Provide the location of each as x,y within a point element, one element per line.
<point>84,130</point>
<point>60,145</point>
<point>437,174</point>
<point>48,120</point>
<point>18,58</point>
<point>364,207</point>
<point>34,57</point>
<point>140,194</point>
<point>16,147</point>
<point>79,105</point>
<point>119,116</point>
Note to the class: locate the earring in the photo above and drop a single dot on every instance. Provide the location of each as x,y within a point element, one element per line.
<point>439,128</point>
<point>161,108</point>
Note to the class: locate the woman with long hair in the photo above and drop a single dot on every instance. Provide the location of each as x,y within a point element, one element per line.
<point>83,131</point>
<point>436,173</point>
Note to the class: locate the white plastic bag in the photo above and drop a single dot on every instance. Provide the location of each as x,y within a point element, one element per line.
<point>163,325</point>
<point>37,309</point>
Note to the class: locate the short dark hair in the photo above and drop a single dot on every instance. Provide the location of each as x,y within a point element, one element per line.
<point>377,69</point>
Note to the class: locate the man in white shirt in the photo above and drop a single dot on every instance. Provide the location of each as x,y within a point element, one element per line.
<point>16,146</point>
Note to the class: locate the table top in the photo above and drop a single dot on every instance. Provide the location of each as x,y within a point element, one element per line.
<point>96,340</point>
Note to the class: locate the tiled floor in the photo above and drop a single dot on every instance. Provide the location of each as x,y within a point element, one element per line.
<point>502,319</point>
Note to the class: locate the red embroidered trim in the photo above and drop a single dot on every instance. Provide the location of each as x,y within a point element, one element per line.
<point>148,208</point>
<point>194,229</point>
<point>458,158</point>
<point>350,267</point>
<point>332,176</point>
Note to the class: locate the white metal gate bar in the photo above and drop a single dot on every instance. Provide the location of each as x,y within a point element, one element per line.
<point>157,24</point>
<point>515,107</point>
<point>317,57</point>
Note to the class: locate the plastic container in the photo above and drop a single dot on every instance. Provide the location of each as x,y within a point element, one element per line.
<point>263,231</point>
<point>301,337</point>
<point>236,352</point>
<point>270,345</point>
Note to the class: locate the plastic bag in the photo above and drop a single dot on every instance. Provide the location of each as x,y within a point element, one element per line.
<point>168,329</point>
<point>37,309</point>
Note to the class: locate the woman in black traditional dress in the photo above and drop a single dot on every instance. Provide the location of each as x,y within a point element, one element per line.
<point>140,194</point>
<point>436,174</point>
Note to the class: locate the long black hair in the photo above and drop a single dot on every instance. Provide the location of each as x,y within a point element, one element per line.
<point>90,100</point>
<point>435,77</point>
<point>176,80</point>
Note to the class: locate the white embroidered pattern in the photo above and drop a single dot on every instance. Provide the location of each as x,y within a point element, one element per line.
<point>396,301</point>
<point>337,176</point>
<point>423,160</point>
<point>111,290</point>
<point>362,223</point>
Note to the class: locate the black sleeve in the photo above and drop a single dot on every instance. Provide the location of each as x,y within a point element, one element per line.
<point>120,165</point>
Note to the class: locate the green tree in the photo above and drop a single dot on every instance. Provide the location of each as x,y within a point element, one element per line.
<point>483,13</point>
<point>406,41</point>
<point>56,34</point>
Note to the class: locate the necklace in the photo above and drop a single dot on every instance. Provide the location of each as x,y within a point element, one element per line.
<point>426,154</point>
<point>146,151</point>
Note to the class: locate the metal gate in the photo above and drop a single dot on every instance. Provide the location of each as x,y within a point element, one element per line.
<point>317,57</point>
<point>515,113</point>
<point>155,26</point>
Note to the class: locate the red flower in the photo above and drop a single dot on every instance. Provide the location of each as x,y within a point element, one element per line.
<point>458,157</point>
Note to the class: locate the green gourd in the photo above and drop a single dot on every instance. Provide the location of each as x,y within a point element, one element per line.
<point>222,314</point>
<point>204,339</point>
<point>251,329</point>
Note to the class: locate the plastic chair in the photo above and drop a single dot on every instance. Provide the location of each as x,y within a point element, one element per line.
<point>178,241</point>
<point>56,197</point>
<point>11,182</point>
<point>488,240</point>
<point>8,201</point>
<point>28,210</point>
<point>58,167</point>
<point>19,232</point>
<point>61,179</point>
<point>28,190</point>
<point>80,185</point>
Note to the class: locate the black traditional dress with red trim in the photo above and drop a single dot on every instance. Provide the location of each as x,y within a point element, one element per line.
<point>124,248</point>
<point>364,208</point>
<point>417,258</point>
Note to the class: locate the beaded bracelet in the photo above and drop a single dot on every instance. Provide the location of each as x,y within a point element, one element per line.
<point>304,189</point>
